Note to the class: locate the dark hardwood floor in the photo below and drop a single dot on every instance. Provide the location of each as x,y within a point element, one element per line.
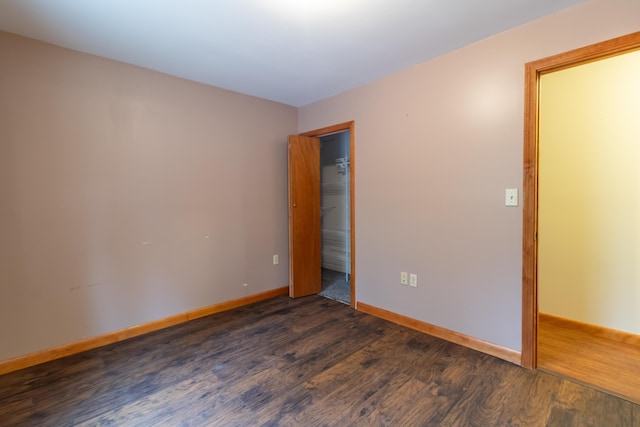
<point>304,362</point>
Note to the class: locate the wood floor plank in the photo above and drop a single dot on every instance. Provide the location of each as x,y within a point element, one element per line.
<point>529,398</point>
<point>285,362</point>
<point>394,410</point>
<point>574,352</point>
<point>597,408</point>
<point>343,372</point>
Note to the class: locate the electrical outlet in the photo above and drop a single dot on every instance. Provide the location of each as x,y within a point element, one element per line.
<point>404,278</point>
<point>275,259</point>
<point>413,280</point>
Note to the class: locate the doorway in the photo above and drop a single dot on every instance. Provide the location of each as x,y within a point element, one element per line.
<point>335,195</point>
<point>538,183</point>
<point>327,184</point>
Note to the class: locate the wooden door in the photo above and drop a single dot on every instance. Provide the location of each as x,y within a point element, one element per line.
<point>305,259</point>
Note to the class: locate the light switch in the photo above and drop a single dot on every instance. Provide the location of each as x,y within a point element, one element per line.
<point>511,197</point>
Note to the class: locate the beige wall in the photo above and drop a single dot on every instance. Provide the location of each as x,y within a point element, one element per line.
<point>436,145</point>
<point>97,157</point>
<point>589,193</point>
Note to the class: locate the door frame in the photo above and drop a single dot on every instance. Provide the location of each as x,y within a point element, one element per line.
<point>350,126</point>
<point>533,71</point>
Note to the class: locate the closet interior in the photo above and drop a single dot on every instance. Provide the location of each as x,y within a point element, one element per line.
<point>335,216</point>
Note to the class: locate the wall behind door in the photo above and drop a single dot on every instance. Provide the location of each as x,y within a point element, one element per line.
<point>589,194</point>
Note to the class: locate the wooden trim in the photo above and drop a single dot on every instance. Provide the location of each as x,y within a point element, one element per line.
<point>329,129</point>
<point>591,329</point>
<point>495,350</point>
<point>530,222</point>
<point>591,53</point>
<point>47,355</point>
<point>352,209</point>
<point>350,126</point>
<point>533,71</point>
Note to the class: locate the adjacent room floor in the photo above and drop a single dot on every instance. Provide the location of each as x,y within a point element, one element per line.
<point>607,364</point>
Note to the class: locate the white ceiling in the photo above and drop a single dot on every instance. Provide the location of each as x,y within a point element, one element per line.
<point>292,51</point>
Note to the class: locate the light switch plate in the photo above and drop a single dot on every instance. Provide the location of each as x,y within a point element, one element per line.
<point>511,197</point>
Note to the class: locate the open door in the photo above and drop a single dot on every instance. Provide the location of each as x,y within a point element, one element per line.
<point>305,259</point>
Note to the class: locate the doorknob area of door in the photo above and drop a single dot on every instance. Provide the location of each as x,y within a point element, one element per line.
<point>295,206</point>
